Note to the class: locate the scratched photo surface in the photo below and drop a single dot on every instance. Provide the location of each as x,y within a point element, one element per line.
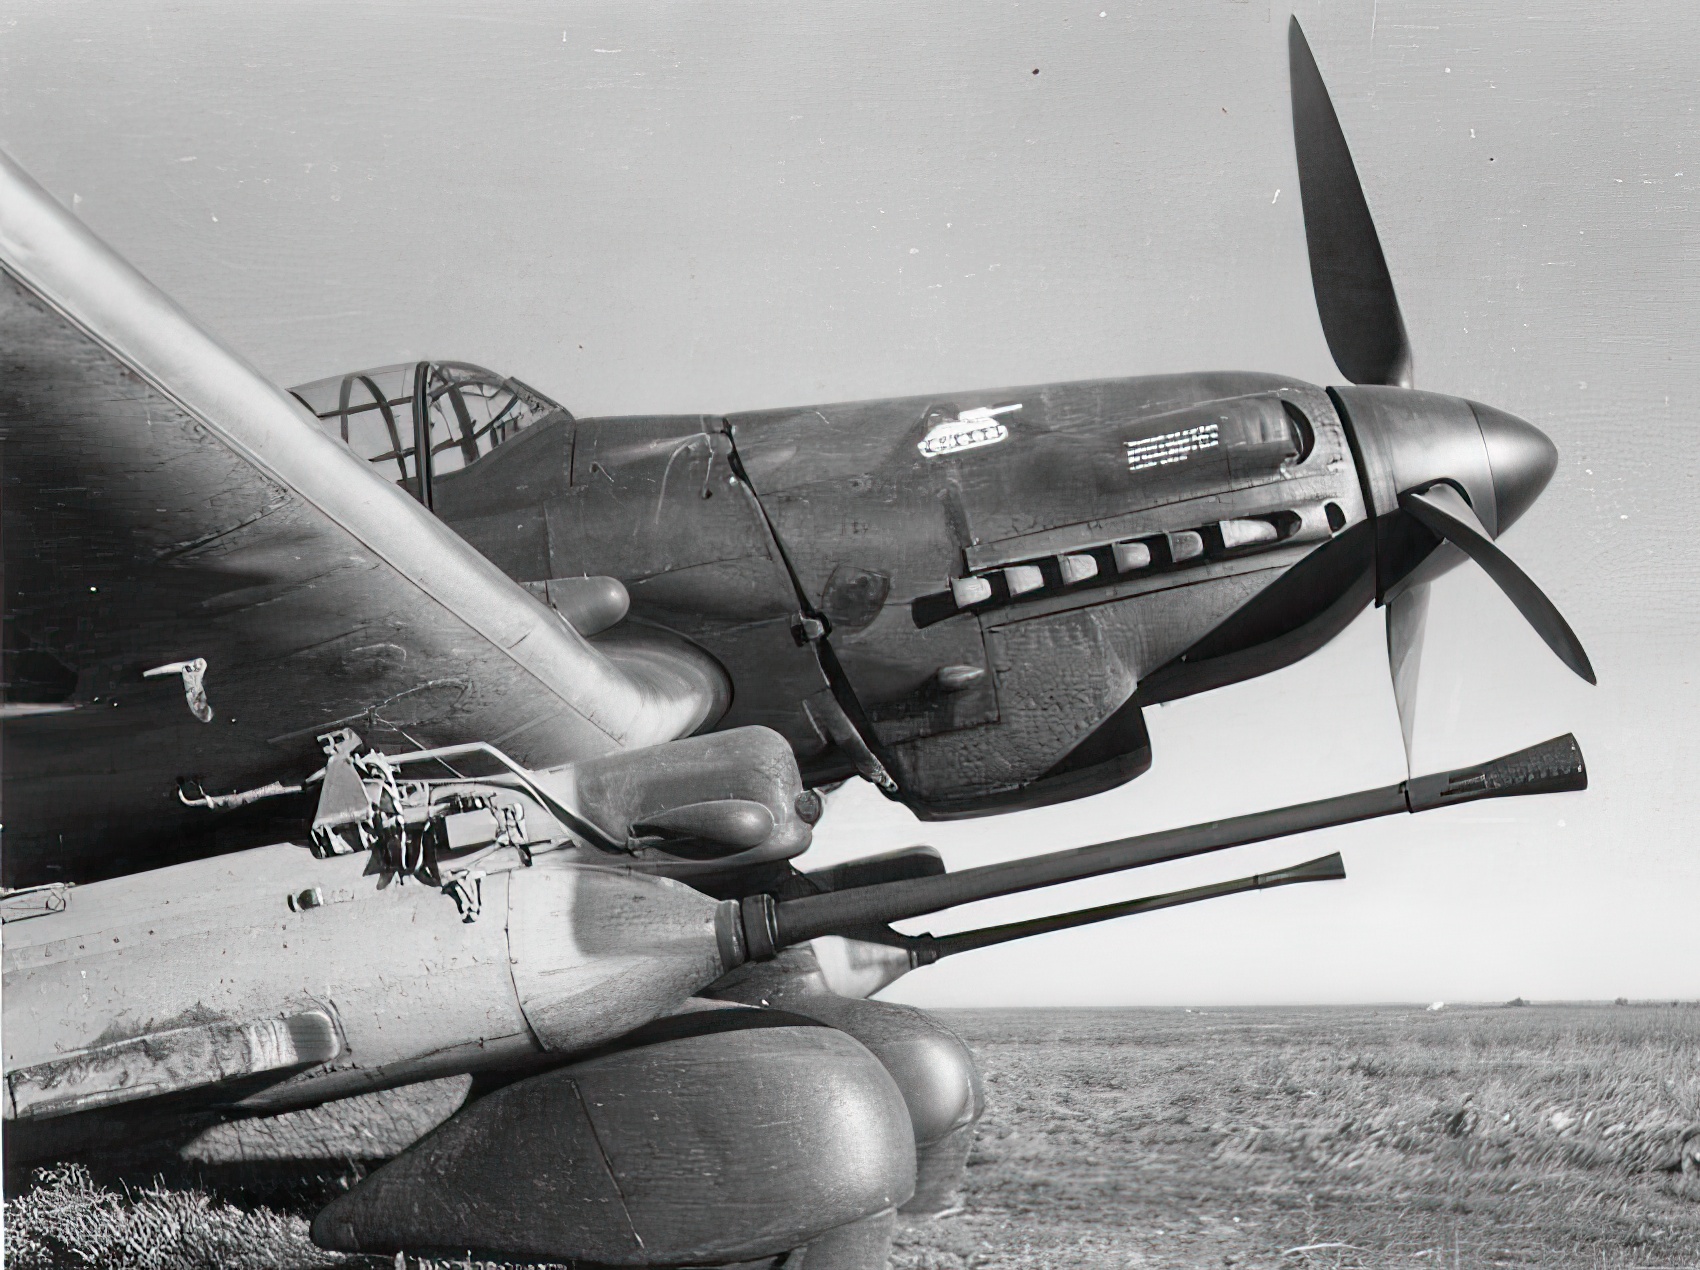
<point>678,207</point>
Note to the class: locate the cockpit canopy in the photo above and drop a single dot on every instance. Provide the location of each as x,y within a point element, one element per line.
<point>452,412</point>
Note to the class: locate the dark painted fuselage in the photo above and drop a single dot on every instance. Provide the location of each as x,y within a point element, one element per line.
<point>812,552</point>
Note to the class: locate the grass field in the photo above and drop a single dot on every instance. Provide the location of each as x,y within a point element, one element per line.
<point>1550,1136</point>
<point>1390,1137</point>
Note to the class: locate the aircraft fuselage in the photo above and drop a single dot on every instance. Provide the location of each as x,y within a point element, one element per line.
<point>973,594</point>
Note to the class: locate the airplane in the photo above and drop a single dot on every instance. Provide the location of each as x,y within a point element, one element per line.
<point>404,726</point>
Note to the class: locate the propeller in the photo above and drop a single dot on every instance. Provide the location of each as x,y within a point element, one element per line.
<point>1442,510</point>
<point>1420,437</point>
<point>1407,615</point>
<point>1354,291</point>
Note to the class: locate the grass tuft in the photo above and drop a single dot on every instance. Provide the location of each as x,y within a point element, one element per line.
<point>65,1221</point>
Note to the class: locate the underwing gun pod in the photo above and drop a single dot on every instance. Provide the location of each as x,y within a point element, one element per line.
<point>417,854</point>
<point>768,925</point>
<point>358,972</point>
<point>831,948</point>
<point>829,978</point>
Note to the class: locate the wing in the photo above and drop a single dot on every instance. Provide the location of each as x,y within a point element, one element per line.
<point>165,505</point>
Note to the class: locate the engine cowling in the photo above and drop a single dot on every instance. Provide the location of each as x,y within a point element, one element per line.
<point>968,600</point>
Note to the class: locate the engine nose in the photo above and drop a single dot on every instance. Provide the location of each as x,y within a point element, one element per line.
<point>1521,460</point>
<point>1407,440</point>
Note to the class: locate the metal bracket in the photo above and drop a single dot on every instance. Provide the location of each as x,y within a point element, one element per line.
<point>467,891</point>
<point>806,629</point>
<point>241,798</point>
<point>345,801</point>
<point>34,901</point>
<point>169,1062</point>
<point>194,686</point>
<point>510,828</point>
<point>831,722</point>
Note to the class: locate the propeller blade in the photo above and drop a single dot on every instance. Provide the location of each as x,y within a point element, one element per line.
<point>1354,291</point>
<point>1442,510</point>
<point>1407,615</point>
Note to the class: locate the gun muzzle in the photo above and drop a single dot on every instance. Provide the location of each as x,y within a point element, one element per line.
<point>1552,767</point>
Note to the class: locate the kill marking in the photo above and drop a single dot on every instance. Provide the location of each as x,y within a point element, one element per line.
<point>968,431</point>
<point>1171,447</point>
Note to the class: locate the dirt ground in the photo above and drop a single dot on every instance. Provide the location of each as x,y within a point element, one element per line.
<point>1549,1136</point>
<point>1378,1137</point>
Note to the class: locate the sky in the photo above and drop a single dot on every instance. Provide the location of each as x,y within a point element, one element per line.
<point>692,207</point>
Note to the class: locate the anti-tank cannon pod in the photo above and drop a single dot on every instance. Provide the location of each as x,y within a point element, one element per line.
<point>564,956</point>
<point>785,938</point>
<point>937,1075</point>
<point>769,924</point>
<point>722,1135</point>
<point>932,1067</point>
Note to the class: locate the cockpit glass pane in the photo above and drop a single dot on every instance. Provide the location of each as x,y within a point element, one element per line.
<point>464,412</point>
<point>473,411</point>
<point>372,410</point>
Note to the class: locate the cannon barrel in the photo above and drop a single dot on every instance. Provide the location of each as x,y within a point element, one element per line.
<point>1551,767</point>
<point>924,950</point>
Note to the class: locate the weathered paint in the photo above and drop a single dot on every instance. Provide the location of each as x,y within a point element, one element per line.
<point>565,956</point>
<point>169,1062</point>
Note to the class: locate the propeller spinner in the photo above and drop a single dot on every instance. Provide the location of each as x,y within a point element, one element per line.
<point>1444,476</point>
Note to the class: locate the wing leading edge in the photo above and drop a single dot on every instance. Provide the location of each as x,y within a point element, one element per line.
<point>165,505</point>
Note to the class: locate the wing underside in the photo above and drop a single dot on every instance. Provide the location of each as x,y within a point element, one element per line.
<point>165,506</point>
